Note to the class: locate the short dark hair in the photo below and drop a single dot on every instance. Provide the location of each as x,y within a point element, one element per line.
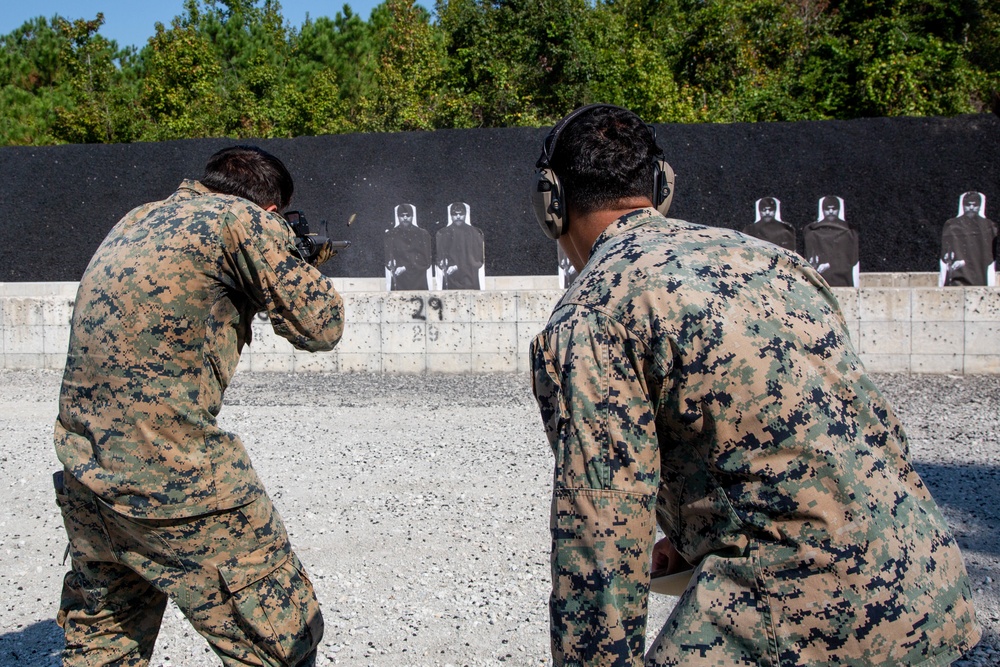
<point>603,156</point>
<point>252,173</point>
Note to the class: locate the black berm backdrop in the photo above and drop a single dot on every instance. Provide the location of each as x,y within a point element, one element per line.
<point>900,179</point>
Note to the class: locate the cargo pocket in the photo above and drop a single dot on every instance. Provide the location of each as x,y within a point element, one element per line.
<point>88,536</point>
<point>274,602</point>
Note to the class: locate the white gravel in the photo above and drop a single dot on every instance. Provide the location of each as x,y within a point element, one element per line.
<point>420,506</point>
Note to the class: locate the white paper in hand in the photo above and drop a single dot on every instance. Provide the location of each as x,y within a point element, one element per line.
<point>670,584</point>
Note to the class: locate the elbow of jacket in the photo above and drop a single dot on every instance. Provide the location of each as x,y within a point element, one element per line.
<point>322,333</point>
<point>330,337</point>
<point>327,338</point>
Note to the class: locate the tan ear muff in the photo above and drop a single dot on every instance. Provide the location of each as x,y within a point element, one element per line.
<point>547,202</point>
<point>547,196</point>
<point>546,191</point>
<point>663,186</point>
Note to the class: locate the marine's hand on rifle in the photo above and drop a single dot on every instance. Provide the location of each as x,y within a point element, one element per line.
<point>313,248</point>
<point>325,253</point>
<point>328,250</point>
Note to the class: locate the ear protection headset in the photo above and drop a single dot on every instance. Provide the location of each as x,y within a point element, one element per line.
<point>547,195</point>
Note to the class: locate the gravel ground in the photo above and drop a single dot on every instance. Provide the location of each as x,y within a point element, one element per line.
<point>420,506</point>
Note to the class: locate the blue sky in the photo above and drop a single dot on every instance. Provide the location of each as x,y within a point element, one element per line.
<point>132,21</point>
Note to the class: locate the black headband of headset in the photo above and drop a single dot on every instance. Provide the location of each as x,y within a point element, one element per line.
<point>547,192</point>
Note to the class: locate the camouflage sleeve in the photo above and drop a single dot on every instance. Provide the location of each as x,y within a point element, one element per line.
<point>300,301</point>
<point>594,395</point>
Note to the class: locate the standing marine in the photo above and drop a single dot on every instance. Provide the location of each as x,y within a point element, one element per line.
<point>157,499</point>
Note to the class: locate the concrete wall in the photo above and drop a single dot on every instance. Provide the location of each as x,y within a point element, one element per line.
<point>899,322</point>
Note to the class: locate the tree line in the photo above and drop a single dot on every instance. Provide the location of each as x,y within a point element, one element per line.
<point>237,68</point>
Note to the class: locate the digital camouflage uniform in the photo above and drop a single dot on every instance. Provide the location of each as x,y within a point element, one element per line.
<point>707,379</point>
<point>157,499</point>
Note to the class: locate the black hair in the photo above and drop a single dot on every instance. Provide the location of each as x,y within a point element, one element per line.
<point>249,172</point>
<point>604,156</point>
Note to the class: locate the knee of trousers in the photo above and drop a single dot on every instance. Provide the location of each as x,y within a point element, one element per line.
<point>275,604</point>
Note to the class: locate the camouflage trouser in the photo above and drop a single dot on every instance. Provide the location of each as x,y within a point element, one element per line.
<point>231,573</point>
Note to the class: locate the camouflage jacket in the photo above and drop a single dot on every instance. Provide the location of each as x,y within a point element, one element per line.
<point>162,313</point>
<point>704,379</point>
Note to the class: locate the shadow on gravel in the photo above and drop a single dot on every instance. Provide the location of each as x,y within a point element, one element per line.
<point>37,645</point>
<point>970,498</point>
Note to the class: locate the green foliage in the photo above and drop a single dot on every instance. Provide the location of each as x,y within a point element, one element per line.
<point>631,71</point>
<point>908,58</point>
<point>101,106</point>
<point>32,82</point>
<point>984,53</point>
<point>236,68</point>
<point>181,95</point>
<point>344,47</point>
<point>406,93</point>
<point>29,56</point>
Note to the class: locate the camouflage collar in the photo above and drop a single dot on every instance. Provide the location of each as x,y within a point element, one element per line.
<point>192,188</point>
<point>629,221</point>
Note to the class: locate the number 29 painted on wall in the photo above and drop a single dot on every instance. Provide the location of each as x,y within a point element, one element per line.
<point>423,309</point>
